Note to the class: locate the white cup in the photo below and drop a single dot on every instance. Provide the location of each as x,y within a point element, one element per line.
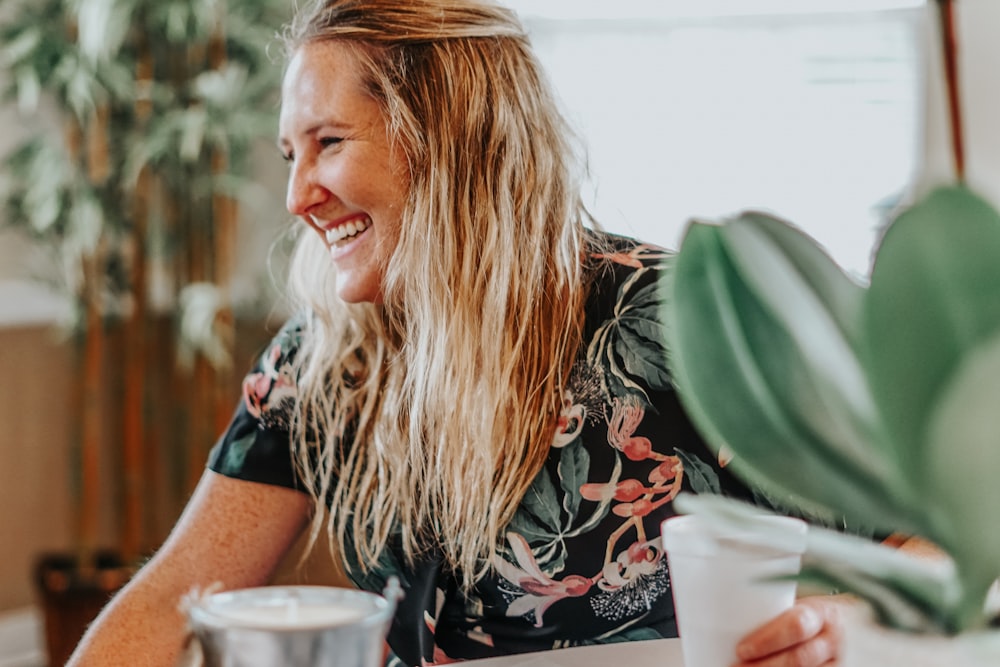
<point>292,626</point>
<point>723,580</point>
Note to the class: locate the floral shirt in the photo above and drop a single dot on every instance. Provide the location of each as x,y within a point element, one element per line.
<point>582,561</point>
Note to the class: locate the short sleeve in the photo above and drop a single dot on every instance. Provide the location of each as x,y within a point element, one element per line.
<point>256,445</point>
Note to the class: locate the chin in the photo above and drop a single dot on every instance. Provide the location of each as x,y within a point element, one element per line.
<point>350,291</point>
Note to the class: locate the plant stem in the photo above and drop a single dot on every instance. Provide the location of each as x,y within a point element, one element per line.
<point>950,49</point>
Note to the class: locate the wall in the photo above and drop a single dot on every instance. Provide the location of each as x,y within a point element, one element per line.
<point>34,450</point>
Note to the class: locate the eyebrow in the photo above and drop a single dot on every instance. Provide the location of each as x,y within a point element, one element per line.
<point>315,128</point>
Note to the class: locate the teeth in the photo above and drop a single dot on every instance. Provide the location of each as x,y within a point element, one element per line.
<point>352,228</point>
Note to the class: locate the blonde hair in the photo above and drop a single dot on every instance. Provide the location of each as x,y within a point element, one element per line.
<point>424,419</point>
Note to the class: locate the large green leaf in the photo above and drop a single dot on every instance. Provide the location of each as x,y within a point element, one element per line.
<point>746,383</point>
<point>934,294</point>
<point>819,308</point>
<point>963,460</point>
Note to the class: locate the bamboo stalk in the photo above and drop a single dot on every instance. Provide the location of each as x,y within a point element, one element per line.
<point>98,159</point>
<point>224,215</point>
<point>225,218</point>
<point>136,342</point>
<point>97,162</point>
<point>134,404</point>
<point>91,417</point>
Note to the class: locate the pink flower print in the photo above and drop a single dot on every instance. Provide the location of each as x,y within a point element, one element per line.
<point>269,386</point>
<point>625,490</point>
<point>641,507</point>
<point>626,416</point>
<point>569,423</point>
<point>639,560</point>
<point>439,657</point>
<point>631,258</point>
<point>541,591</point>
<point>668,471</point>
<point>725,456</point>
<point>635,500</point>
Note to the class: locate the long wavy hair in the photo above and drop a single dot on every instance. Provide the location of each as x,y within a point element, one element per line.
<point>424,419</point>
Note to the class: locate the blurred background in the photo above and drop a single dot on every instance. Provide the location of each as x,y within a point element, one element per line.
<point>143,235</point>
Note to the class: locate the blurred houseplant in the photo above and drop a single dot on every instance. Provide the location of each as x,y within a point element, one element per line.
<point>136,194</point>
<point>872,404</point>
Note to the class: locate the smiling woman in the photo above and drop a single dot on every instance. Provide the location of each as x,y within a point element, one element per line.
<point>344,180</point>
<point>473,396</point>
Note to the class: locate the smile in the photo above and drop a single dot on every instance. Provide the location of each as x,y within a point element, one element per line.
<point>348,230</point>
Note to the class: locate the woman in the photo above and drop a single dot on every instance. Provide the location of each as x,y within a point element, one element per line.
<point>476,385</point>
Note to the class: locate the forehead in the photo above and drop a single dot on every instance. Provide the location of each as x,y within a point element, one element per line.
<point>322,83</point>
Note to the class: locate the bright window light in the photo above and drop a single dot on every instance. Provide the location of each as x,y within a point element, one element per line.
<point>681,9</point>
<point>815,117</point>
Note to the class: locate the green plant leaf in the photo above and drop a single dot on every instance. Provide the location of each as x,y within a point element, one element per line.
<point>933,295</point>
<point>103,26</point>
<point>745,383</point>
<point>894,604</point>
<point>819,308</point>
<point>962,458</point>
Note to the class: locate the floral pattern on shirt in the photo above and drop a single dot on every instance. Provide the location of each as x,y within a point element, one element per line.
<point>581,560</point>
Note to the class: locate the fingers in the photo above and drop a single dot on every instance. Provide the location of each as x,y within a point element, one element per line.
<point>818,651</point>
<point>807,635</point>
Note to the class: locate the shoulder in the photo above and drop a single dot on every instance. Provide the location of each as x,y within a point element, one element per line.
<point>269,387</point>
<point>256,445</point>
<point>624,331</point>
<point>615,250</point>
<point>624,272</point>
<point>617,267</point>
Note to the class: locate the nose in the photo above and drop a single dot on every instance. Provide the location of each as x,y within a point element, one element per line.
<point>304,191</point>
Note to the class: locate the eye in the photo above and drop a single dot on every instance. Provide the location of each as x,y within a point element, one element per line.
<point>288,157</point>
<point>326,142</point>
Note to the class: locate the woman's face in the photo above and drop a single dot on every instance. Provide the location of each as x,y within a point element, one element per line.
<point>345,180</point>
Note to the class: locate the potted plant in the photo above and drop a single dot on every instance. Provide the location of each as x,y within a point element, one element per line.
<point>866,404</point>
<point>872,405</point>
<point>137,194</point>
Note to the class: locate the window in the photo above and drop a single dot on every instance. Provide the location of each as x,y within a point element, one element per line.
<point>810,109</point>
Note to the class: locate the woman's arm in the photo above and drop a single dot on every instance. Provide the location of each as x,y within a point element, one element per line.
<point>233,532</point>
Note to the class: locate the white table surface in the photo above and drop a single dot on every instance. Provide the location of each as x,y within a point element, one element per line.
<point>651,653</point>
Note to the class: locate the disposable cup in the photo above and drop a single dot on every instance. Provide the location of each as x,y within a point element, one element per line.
<point>726,583</point>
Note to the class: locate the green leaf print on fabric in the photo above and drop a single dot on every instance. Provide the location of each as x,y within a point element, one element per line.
<point>236,454</point>
<point>523,524</point>
<point>629,346</point>
<point>539,519</point>
<point>630,635</point>
<point>574,464</point>
<point>702,477</point>
<point>542,501</point>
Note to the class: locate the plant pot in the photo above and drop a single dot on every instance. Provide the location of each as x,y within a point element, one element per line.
<point>71,596</point>
<point>869,645</point>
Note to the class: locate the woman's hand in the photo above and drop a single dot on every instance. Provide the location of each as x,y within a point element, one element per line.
<point>807,635</point>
